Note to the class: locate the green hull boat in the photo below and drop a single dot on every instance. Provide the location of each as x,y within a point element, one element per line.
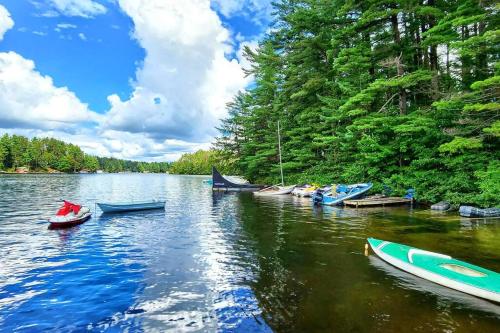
<point>440,269</point>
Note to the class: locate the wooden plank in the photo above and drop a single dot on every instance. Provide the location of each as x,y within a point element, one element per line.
<point>377,201</point>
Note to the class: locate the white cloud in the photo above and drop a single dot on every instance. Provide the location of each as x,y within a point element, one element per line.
<point>66,26</point>
<point>31,100</point>
<point>6,22</point>
<point>179,95</point>
<point>82,8</point>
<point>39,33</point>
<point>185,80</point>
<point>82,36</point>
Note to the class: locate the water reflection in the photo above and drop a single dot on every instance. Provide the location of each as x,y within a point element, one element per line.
<point>224,262</point>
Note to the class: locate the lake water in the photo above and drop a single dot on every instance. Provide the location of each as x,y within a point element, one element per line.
<point>224,262</point>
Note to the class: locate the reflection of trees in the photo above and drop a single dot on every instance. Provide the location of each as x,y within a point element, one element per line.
<point>276,288</point>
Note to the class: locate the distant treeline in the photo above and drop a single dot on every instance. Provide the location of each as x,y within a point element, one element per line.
<point>45,154</point>
<point>201,162</point>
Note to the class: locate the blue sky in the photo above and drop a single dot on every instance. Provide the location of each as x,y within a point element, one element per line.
<point>138,79</point>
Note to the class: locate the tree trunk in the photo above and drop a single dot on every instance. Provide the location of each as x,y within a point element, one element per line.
<point>399,65</point>
<point>482,58</point>
<point>433,60</point>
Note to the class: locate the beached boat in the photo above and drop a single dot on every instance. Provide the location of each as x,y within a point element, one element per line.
<point>440,268</point>
<point>119,207</point>
<point>221,183</point>
<point>275,190</point>
<point>304,190</point>
<point>338,193</point>
<point>469,211</point>
<point>69,215</point>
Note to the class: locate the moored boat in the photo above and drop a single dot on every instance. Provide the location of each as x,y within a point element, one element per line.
<point>221,183</point>
<point>119,207</point>
<point>440,268</point>
<point>69,215</point>
<point>275,190</point>
<point>469,211</point>
<point>338,193</point>
<point>304,190</point>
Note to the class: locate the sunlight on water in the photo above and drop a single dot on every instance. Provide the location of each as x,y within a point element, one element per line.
<point>224,262</point>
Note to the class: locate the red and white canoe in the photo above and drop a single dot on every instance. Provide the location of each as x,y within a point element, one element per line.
<point>69,215</point>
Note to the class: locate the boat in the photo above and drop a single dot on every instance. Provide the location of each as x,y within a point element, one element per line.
<point>221,183</point>
<point>469,211</point>
<point>69,215</point>
<point>304,190</point>
<point>275,190</point>
<point>440,268</point>
<point>338,193</point>
<point>119,207</point>
<point>207,181</point>
<point>441,206</point>
<point>378,201</point>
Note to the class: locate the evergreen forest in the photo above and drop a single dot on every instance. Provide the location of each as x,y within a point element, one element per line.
<point>403,93</point>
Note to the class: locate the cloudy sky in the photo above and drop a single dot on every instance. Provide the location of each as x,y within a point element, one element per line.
<point>134,79</point>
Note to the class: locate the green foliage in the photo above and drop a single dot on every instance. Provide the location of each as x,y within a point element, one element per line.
<point>362,94</point>
<point>50,154</point>
<point>459,144</point>
<point>201,162</point>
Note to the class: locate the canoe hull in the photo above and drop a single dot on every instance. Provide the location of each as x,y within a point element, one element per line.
<point>283,190</point>
<point>130,207</point>
<point>70,223</point>
<point>451,282</point>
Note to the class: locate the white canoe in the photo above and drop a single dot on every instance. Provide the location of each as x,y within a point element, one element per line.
<point>275,190</point>
<point>118,207</point>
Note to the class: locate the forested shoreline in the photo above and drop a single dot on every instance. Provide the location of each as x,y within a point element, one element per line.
<point>402,93</point>
<point>52,155</point>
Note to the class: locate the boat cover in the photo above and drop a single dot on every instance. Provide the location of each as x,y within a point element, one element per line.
<point>67,208</point>
<point>219,182</point>
<point>469,211</point>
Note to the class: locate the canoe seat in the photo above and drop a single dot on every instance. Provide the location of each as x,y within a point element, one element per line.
<point>463,270</point>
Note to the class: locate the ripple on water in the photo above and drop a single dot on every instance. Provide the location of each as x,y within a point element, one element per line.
<point>221,262</point>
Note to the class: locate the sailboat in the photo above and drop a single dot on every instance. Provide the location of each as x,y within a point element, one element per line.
<point>279,189</point>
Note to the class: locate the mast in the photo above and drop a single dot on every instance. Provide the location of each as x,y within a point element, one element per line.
<point>279,149</point>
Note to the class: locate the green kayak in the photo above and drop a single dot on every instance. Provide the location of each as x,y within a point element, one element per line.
<point>440,268</point>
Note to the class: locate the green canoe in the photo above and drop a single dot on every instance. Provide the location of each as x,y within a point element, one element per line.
<point>440,268</point>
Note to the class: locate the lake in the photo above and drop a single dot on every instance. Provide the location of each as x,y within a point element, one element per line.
<point>224,262</point>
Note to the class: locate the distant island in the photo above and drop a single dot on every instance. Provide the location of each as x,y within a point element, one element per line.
<point>18,154</point>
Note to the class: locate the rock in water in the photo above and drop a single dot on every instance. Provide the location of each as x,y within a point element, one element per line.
<point>443,205</point>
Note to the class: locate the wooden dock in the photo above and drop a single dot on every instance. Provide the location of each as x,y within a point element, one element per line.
<point>378,201</point>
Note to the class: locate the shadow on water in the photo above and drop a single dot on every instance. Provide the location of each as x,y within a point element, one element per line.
<point>314,277</point>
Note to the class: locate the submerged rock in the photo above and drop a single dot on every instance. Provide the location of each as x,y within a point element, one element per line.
<point>442,205</point>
